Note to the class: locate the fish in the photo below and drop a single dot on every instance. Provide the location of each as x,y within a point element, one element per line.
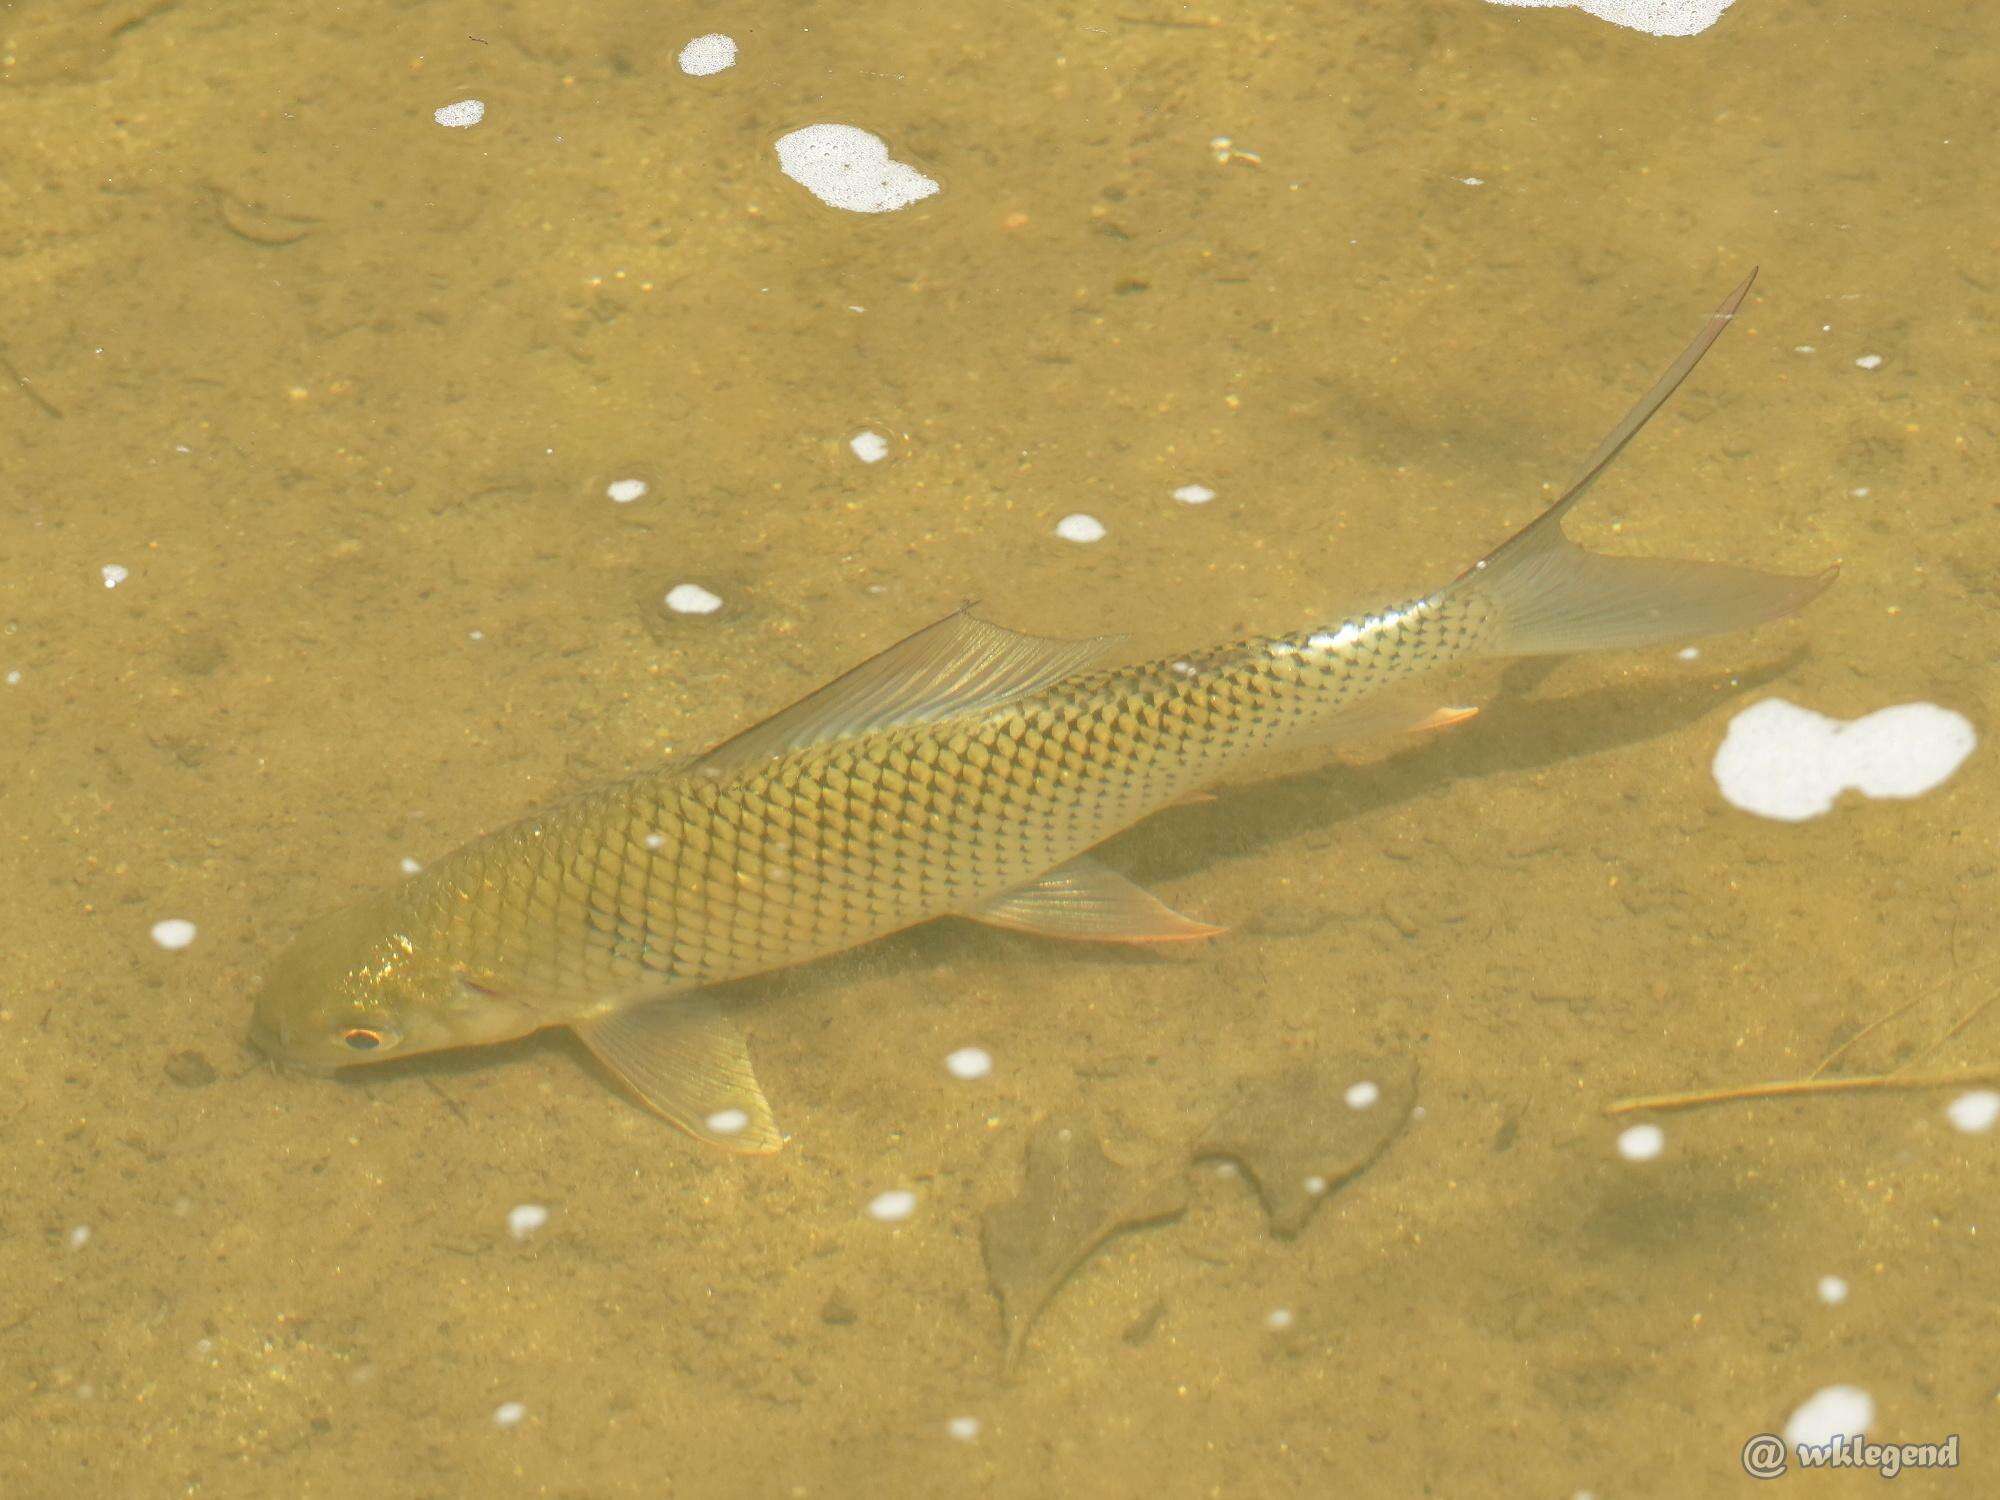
<point>967,771</point>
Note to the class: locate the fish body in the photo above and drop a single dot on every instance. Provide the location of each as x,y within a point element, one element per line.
<point>966,771</point>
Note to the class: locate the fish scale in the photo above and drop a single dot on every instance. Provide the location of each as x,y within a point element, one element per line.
<point>965,771</point>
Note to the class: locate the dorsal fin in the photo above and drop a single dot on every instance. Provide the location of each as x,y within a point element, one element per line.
<point>958,666</point>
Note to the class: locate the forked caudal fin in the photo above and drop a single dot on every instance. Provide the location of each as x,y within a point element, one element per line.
<point>1548,596</point>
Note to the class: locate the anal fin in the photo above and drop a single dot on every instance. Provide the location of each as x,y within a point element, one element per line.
<point>687,1061</point>
<point>1089,901</point>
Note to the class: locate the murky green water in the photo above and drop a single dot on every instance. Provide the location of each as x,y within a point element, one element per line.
<point>341,390</point>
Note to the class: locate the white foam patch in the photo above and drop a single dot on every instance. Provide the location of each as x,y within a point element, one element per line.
<point>869,447</point>
<point>969,1062</point>
<point>1836,1411</point>
<point>1782,761</point>
<point>1870,361</point>
<point>509,1414</point>
<point>1080,528</point>
<point>625,491</point>
<point>79,1236</point>
<point>462,114</point>
<point>1363,1095</point>
<point>1278,1319</point>
<point>1974,1111</point>
<point>1641,1142</point>
<point>1194,494</point>
<point>525,1218</point>
<point>893,1206</point>
<point>1832,1290</point>
<point>174,933</point>
<point>410,866</point>
<point>1654,17</point>
<point>692,599</point>
<point>965,1429</point>
<point>845,167</point>
<point>728,1122</point>
<point>708,54</point>
<point>114,574</point>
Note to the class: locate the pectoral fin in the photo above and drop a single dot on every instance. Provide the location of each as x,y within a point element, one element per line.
<point>687,1061</point>
<point>1084,899</point>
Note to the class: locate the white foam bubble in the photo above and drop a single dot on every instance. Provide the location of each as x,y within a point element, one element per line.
<point>728,1122</point>
<point>625,491</point>
<point>845,167</point>
<point>411,867</point>
<point>114,574</point>
<point>79,1236</point>
<point>1782,761</point>
<point>692,599</point>
<point>965,1429</point>
<point>969,1062</point>
<point>1835,1411</point>
<point>525,1218</point>
<point>1316,1185</point>
<point>893,1206</point>
<point>1194,494</point>
<point>1870,361</point>
<point>1832,1290</point>
<point>1278,1319</point>
<point>14,678</point>
<point>1363,1095</point>
<point>708,54</point>
<point>1974,1111</point>
<point>1641,1142</point>
<point>869,447</point>
<point>1080,528</point>
<point>1654,17</point>
<point>462,114</point>
<point>509,1414</point>
<point>173,933</point>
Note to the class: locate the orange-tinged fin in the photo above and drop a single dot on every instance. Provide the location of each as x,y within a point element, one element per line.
<point>687,1062</point>
<point>1088,901</point>
<point>959,666</point>
<point>1443,718</point>
<point>1549,596</point>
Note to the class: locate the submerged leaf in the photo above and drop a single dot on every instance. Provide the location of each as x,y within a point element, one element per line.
<point>1073,1198</point>
<point>1300,1135</point>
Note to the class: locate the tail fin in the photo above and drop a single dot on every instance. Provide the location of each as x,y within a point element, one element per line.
<point>1547,595</point>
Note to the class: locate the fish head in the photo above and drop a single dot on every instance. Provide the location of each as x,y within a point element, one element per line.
<point>360,987</point>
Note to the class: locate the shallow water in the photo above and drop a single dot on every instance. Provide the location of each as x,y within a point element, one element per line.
<point>341,390</point>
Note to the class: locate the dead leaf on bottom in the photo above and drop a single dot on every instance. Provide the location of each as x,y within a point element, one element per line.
<point>1072,1200</point>
<point>1302,1134</point>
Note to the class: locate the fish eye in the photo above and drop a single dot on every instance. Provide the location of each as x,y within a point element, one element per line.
<point>361,1038</point>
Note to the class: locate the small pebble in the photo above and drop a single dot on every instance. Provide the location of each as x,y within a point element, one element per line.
<point>525,1218</point>
<point>462,115</point>
<point>1641,1142</point>
<point>1194,494</point>
<point>692,599</point>
<point>969,1062</point>
<point>1080,528</point>
<point>625,491</point>
<point>965,1429</point>
<point>869,447</point>
<point>893,1206</point>
<point>114,574</point>
<point>509,1414</point>
<point>173,933</point>
<point>1836,1411</point>
<point>1363,1094</point>
<point>1975,1111</point>
<point>1870,361</point>
<point>708,54</point>
<point>1832,1290</point>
